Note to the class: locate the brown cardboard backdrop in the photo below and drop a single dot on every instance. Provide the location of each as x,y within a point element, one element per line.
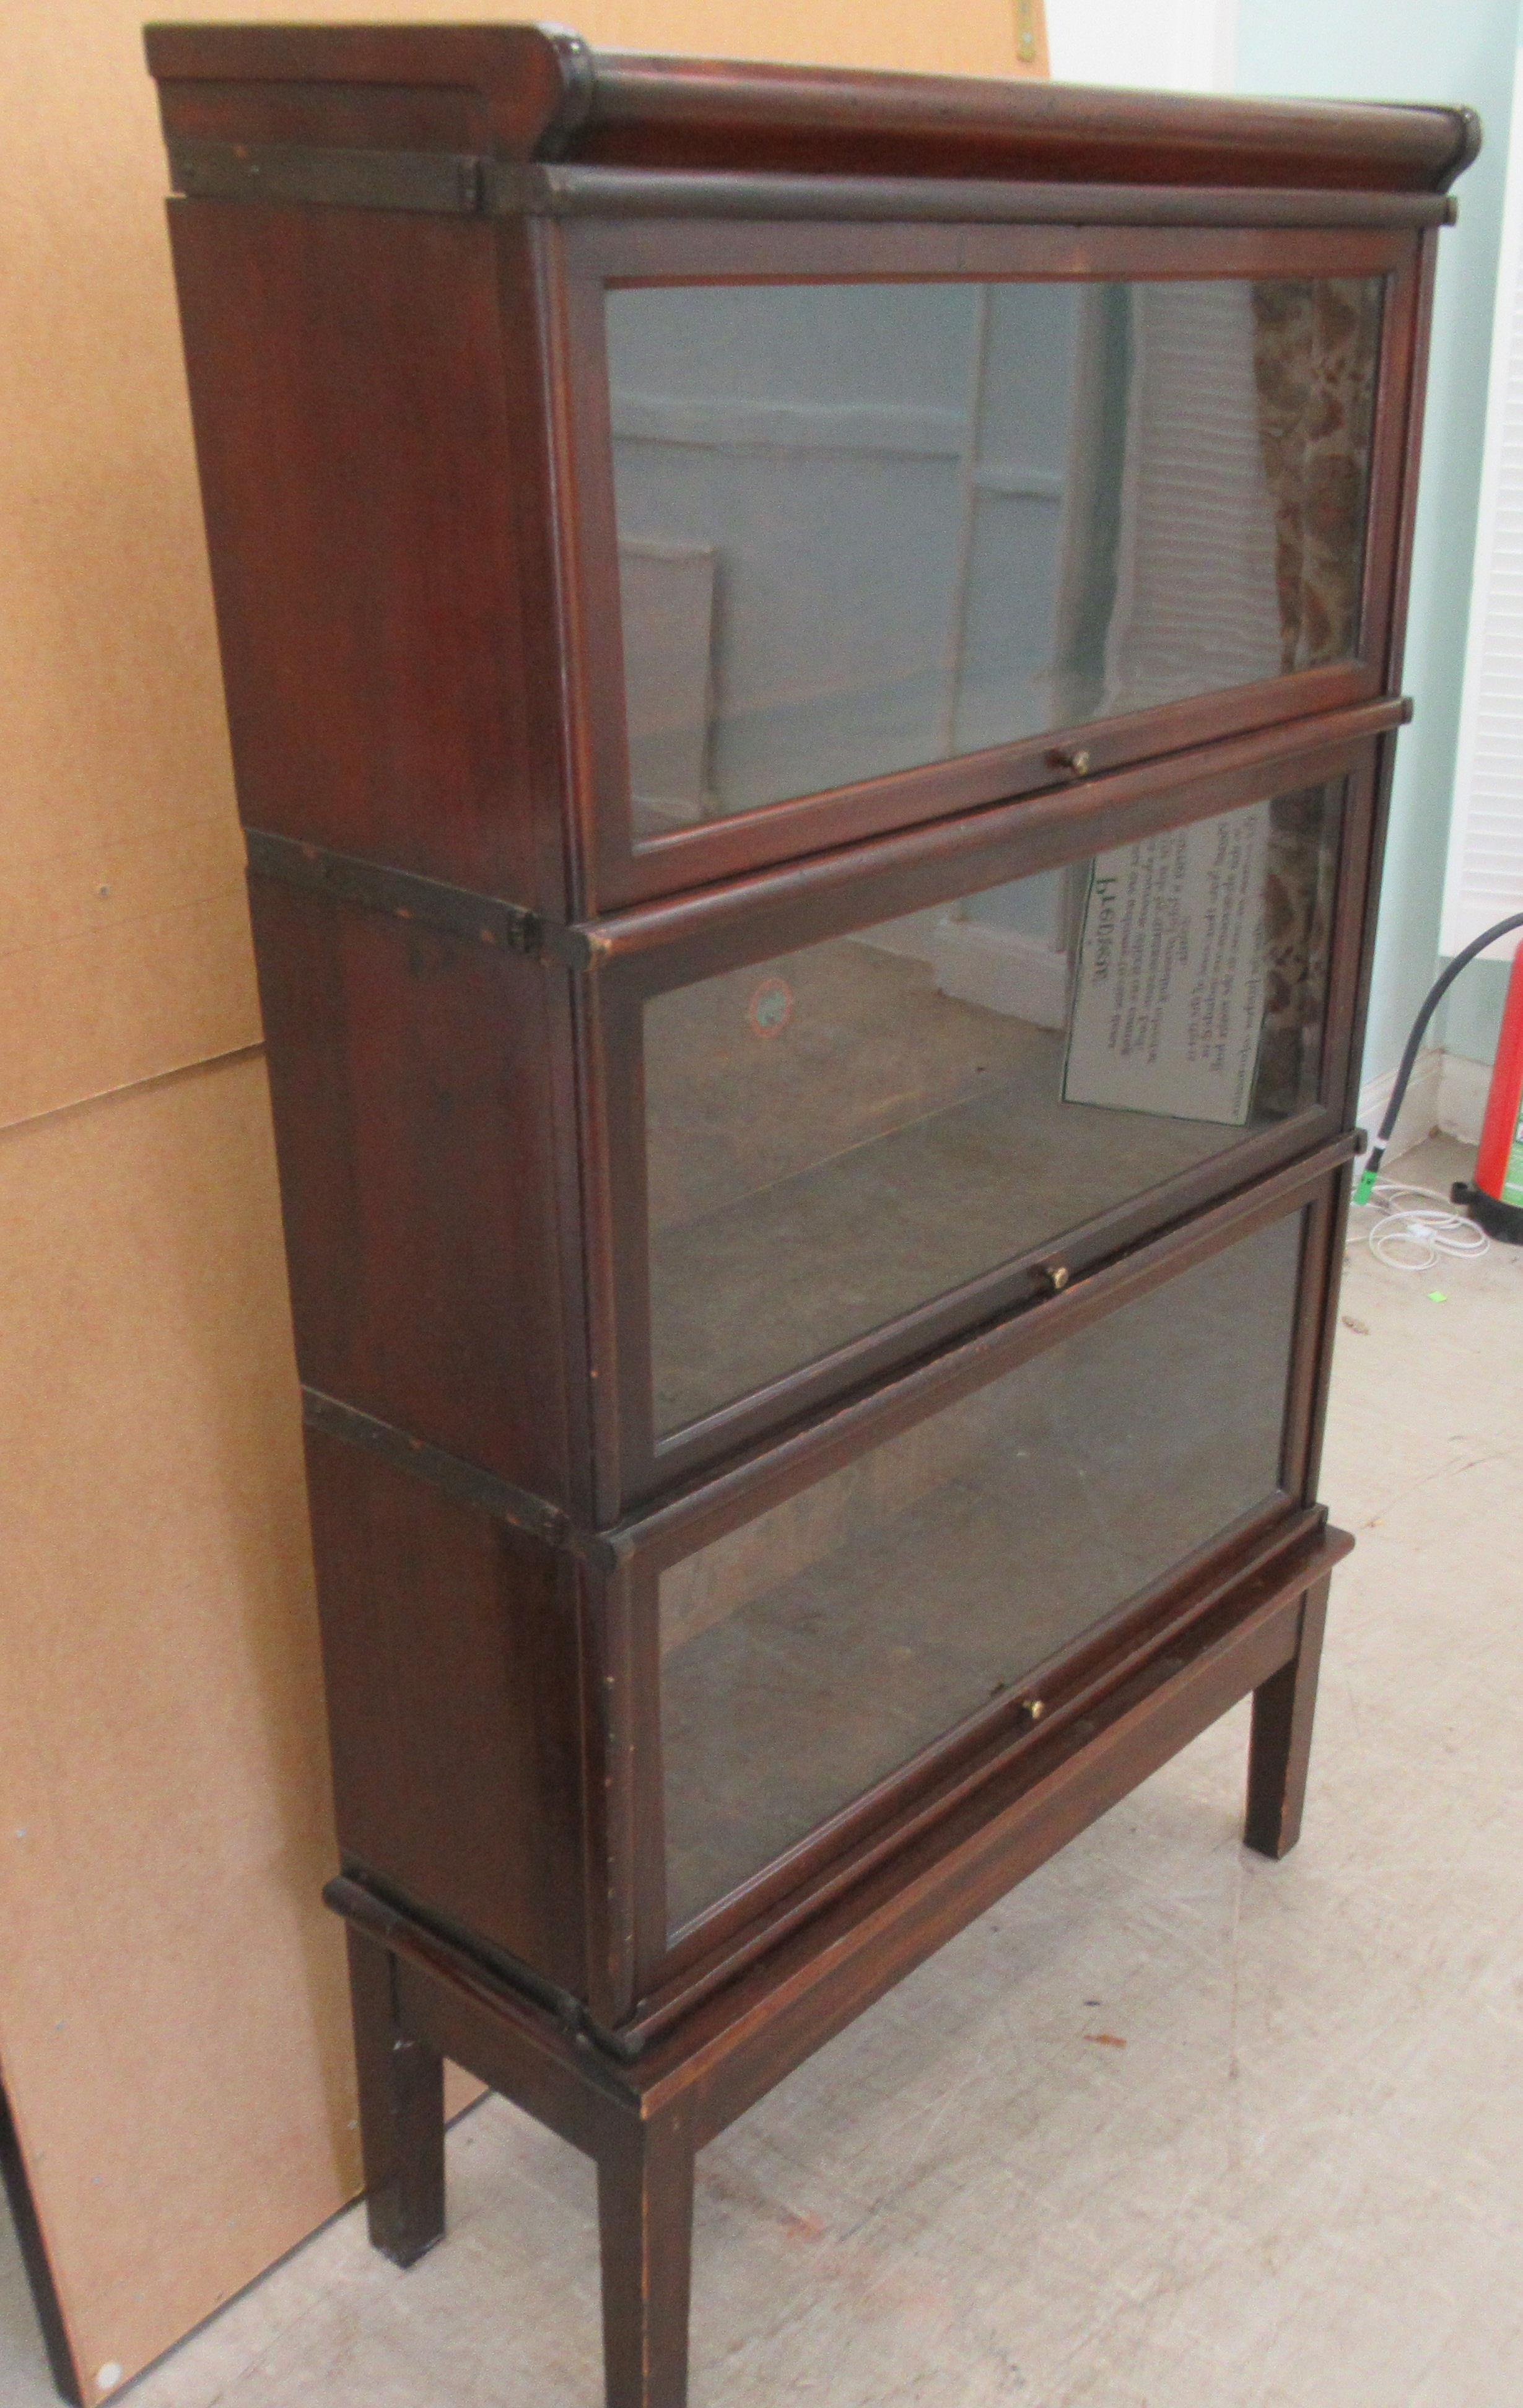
<point>172,2013</point>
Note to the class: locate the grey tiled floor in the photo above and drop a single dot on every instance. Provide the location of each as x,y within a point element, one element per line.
<point>1296,2183</point>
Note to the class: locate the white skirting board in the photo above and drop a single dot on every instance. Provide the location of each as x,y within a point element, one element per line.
<point>1015,975</point>
<point>1001,969</point>
<point>1446,1091</point>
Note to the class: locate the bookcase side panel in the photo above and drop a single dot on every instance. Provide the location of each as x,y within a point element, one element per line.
<point>452,1659</point>
<point>429,1215</point>
<point>364,391</point>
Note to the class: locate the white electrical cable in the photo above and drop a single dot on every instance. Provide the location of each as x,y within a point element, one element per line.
<point>1410,1237</point>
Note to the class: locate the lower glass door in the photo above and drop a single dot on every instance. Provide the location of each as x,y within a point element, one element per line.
<point>815,1651</point>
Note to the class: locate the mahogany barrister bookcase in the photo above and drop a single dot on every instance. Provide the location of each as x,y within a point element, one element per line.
<point>813,661</point>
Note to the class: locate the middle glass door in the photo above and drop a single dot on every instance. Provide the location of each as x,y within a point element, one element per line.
<point>838,1134</point>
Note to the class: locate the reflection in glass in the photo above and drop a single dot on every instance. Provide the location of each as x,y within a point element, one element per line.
<point>865,526</point>
<point>814,1650</point>
<point>846,1132</point>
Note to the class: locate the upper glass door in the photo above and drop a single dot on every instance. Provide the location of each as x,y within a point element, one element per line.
<point>868,527</point>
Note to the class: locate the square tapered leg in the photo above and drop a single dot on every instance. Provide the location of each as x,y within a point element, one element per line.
<point>1280,1747</point>
<point>401,2113</point>
<point>645,2220</point>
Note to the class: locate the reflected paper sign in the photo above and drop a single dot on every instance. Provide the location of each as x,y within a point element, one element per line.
<point>1167,1009</point>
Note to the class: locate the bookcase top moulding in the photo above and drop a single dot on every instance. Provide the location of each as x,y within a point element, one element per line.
<point>539,92</point>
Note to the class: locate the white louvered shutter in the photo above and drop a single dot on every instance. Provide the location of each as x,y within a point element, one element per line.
<point>1196,601</point>
<point>1485,877</point>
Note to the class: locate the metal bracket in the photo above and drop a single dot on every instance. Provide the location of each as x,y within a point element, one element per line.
<point>509,928</point>
<point>427,1940</point>
<point>465,1482</point>
<point>328,178</point>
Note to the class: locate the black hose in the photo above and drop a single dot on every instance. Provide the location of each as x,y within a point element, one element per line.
<point>1436,993</point>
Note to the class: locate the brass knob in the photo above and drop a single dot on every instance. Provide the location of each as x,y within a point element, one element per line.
<point>1035,1709</point>
<point>1055,1277</point>
<point>1070,756</point>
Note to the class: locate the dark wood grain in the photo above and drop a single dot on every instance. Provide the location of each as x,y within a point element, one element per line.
<point>475,2019</point>
<point>722,250</point>
<point>452,1656</point>
<point>1280,1748</point>
<point>645,2229</point>
<point>1333,1273</point>
<point>794,119</point>
<point>528,89</point>
<point>621,1787</point>
<point>605,192</point>
<point>379,543</point>
<point>701,929</point>
<point>1420,333</point>
<point>428,1233</point>
<point>497,88</point>
<point>401,2094</point>
<point>403,426</point>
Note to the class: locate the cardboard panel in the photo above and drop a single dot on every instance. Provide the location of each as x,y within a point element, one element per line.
<point>117,772</point>
<point>978,37</point>
<point>102,1010</point>
<point>172,1995</point>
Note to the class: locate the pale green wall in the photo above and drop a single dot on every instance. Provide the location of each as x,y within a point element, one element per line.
<point>1469,1020</point>
<point>1421,49</point>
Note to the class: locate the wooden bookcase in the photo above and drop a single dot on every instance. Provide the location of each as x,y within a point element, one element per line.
<point>813,661</point>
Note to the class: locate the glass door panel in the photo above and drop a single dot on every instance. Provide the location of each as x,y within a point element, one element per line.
<point>810,1653</point>
<point>866,526</point>
<point>841,1135</point>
